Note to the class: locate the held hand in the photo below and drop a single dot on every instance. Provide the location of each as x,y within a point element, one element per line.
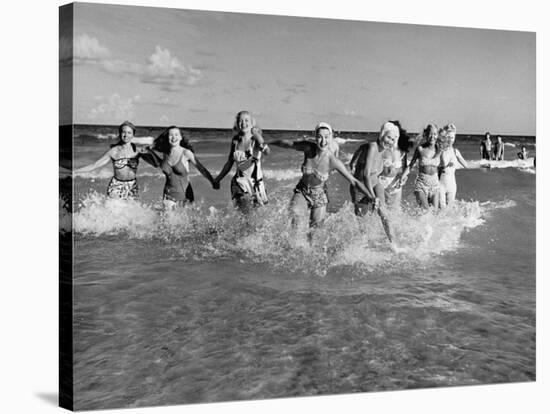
<point>216,185</point>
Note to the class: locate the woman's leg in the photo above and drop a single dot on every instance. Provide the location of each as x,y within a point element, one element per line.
<point>434,199</point>
<point>243,203</point>
<point>450,198</point>
<point>383,212</point>
<point>422,199</point>
<point>298,210</point>
<point>317,216</point>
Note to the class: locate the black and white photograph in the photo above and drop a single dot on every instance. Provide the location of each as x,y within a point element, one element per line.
<point>257,206</point>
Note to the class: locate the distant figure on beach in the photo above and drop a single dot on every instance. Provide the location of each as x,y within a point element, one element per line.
<point>247,147</point>
<point>485,147</point>
<point>498,152</point>
<point>450,158</point>
<point>310,195</point>
<point>125,157</point>
<point>177,154</point>
<point>523,154</point>
<point>426,186</point>
<point>368,164</point>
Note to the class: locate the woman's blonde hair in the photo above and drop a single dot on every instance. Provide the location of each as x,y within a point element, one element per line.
<point>237,117</point>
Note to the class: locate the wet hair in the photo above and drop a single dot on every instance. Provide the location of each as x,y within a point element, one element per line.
<point>236,123</point>
<point>403,142</point>
<point>487,134</point>
<point>120,127</point>
<point>161,143</point>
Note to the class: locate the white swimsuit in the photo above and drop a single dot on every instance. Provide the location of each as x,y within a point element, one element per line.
<point>447,181</point>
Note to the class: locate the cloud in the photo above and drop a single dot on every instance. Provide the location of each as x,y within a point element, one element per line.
<point>82,49</point>
<point>161,101</point>
<point>292,90</point>
<point>162,69</point>
<point>168,72</point>
<point>113,107</point>
<point>164,120</point>
<point>88,48</point>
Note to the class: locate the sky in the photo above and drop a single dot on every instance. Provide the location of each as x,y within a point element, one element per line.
<point>158,66</point>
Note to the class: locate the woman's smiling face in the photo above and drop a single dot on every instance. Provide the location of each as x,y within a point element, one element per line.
<point>245,122</point>
<point>126,134</point>
<point>174,137</point>
<point>322,136</point>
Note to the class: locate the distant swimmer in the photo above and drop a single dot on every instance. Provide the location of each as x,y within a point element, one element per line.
<point>450,158</point>
<point>247,147</point>
<point>498,151</point>
<point>125,157</point>
<point>523,154</point>
<point>177,155</point>
<point>485,147</point>
<point>426,186</point>
<point>310,195</point>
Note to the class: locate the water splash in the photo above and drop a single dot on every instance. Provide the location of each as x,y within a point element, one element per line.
<point>266,235</point>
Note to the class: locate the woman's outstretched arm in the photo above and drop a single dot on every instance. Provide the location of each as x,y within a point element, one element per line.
<point>226,167</point>
<point>99,163</point>
<point>202,169</point>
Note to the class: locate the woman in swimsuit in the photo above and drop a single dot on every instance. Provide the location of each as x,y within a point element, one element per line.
<point>247,147</point>
<point>426,186</point>
<point>177,154</point>
<point>450,158</point>
<point>367,166</point>
<point>311,192</point>
<point>395,163</point>
<point>125,157</point>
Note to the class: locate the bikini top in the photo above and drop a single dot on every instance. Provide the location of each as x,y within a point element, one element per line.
<point>395,164</point>
<point>314,170</point>
<point>179,168</point>
<point>429,161</point>
<point>130,162</point>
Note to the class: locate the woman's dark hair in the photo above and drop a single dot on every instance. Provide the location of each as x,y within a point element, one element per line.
<point>403,142</point>
<point>161,143</point>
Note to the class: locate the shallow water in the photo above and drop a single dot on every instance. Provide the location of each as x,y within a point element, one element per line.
<point>202,305</point>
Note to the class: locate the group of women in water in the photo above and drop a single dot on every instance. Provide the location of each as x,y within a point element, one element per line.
<point>377,171</point>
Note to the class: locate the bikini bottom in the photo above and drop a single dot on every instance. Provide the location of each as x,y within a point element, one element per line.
<point>427,184</point>
<point>123,189</point>
<point>315,196</point>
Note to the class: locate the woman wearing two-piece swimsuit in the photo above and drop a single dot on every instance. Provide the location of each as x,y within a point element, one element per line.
<point>426,186</point>
<point>311,192</point>
<point>125,157</point>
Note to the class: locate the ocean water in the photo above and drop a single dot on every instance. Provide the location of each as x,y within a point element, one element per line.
<point>204,305</point>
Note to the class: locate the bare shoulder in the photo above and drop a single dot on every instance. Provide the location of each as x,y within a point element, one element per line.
<point>188,154</point>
